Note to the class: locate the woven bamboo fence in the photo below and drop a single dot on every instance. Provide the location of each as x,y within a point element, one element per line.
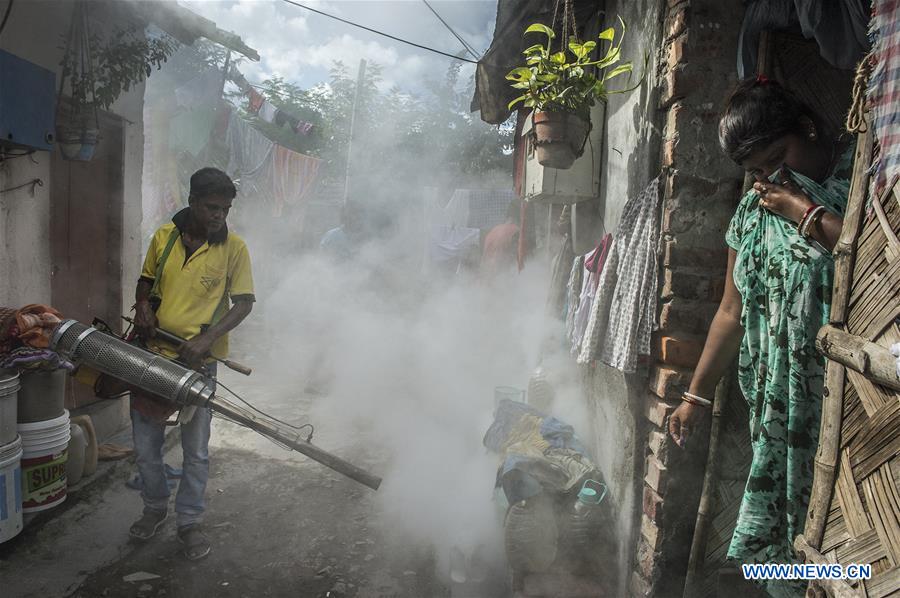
<point>854,512</point>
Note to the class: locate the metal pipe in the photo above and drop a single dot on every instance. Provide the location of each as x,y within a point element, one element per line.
<point>173,382</point>
<point>271,429</point>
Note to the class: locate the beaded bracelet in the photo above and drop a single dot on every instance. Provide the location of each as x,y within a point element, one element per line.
<point>693,399</point>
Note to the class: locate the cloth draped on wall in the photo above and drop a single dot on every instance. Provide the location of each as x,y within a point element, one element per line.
<point>838,26</point>
<point>583,311</point>
<point>623,314</point>
<point>266,171</point>
<point>593,264</point>
<point>883,93</point>
<point>573,294</point>
<point>559,277</point>
<point>295,176</point>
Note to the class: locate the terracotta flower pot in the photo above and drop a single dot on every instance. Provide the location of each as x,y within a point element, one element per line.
<point>559,138</point>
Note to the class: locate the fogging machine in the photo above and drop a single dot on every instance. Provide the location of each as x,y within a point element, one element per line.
<point>173,382</point>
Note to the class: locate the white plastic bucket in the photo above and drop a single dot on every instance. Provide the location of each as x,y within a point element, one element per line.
<point>10,489</point>
<point>9,401</point>
<point>45,451</point>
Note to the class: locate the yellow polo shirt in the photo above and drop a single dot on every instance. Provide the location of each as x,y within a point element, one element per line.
<point>192,288</point>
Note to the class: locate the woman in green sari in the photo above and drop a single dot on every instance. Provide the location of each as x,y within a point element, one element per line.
<point>777,296</point>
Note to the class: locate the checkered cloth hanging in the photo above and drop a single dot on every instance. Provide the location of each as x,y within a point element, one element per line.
<point>624,312</point>
<point>884,90</point>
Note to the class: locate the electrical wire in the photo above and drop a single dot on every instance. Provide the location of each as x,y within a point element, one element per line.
<point>264,414</point>
<point>375,31</point>
<point>465,44</point>
<point>32,182</point>
<point>6,15</point>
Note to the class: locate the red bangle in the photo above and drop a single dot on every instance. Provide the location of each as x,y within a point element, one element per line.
<point>809,211</point>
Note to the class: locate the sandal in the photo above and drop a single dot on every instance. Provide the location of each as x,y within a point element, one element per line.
<point>196,546</point>
<point>147,526</point>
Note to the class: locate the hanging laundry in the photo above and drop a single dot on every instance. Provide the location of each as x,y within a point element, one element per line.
<point>884,91</point>
<point>452,243</point>
<point>255,101</point>
<point>583,311</point>
<point>573,294</point>
<point>294,175</point>
<point>267,111</point>
<point>303,128</point>
<point>597,259</point>
<point>248,148</point>
<point>282,118</point>
<point>623,315</point>
<point>454,212</point>
<point>560,273</point>
<point>250,161</point>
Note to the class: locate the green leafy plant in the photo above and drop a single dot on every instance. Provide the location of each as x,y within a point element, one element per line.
<point>568,80</point>
<point>113,66</point>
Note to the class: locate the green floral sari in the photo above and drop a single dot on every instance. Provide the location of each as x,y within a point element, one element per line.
<point>785,285</point>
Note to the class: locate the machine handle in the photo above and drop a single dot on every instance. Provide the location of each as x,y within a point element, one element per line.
<point>174,339</point>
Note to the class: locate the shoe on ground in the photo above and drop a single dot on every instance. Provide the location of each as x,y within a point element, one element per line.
<point>195,544</point>
<point>147,526</point>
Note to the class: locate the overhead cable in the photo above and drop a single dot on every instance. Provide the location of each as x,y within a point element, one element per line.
<point>6,15</point>
<point>450,29</point>
<point>375,31</point>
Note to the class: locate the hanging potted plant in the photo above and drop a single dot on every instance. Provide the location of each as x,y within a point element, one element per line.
<point>95,73</point>
<point>561,87</point>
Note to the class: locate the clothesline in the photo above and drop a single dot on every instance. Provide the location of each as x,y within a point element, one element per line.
<point>265,110</point>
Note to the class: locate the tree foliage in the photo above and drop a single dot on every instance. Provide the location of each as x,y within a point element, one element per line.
<point>396,133</point>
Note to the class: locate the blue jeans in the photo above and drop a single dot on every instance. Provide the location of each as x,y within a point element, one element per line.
<point>190,501</point>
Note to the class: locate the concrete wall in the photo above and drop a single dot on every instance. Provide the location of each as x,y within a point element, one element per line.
<point>35,32</point>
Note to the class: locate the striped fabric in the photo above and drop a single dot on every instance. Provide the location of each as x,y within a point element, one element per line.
<point>884,90</point>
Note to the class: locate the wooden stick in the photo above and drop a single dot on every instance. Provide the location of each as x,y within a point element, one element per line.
<point>828,451</point>
<point>845,249</point>
<point>837,588</point>
<point>860,355</point>
<point>710,480</point>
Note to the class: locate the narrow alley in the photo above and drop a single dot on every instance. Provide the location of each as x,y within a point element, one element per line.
<point>282,525</point>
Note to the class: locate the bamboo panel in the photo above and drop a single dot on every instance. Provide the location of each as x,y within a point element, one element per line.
<point>857,519</point>
<point>881,566</point>
<point>876,279</point>
<point>884,505</point>
<point>878,305</point>
<point>871,398</point>
<point>854,416</point>
<point>890,336</point>
<point>877,442</point>
<point>835,531</point>
<point>885,584</point>
<point>867,548</point>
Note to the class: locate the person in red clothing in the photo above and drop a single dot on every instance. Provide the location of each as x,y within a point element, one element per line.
<point>499,253</point>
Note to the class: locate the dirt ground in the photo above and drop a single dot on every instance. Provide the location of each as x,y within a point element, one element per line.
<point>279,523</point>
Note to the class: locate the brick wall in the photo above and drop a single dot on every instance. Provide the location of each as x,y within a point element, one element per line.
<point>701,190</point>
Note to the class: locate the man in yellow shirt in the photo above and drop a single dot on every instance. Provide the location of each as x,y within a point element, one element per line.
<point>193,268</point>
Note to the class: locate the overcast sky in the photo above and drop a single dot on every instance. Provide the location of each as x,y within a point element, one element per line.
<point>300,45</point>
